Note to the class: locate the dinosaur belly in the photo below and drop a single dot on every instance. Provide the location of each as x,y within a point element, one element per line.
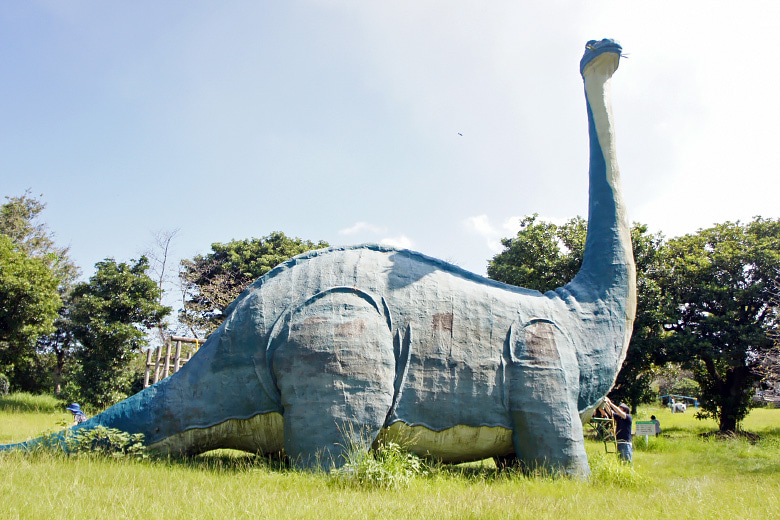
<point>262,433</point>
<point>457,444</point>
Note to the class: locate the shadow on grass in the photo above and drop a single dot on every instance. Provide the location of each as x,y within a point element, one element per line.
<point>473,471</point>
<point>768,470</point>
<point>227,461</point>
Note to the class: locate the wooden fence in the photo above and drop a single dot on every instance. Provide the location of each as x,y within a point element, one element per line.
<point>168,363</point>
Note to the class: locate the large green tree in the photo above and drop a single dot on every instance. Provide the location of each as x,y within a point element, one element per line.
<point>542,256</point>
<point>109,316</point>
<point>545,255</point>
<point>717,282</point>
<point>212,281</point>
<point>20,221</point>
<point>29,301</point>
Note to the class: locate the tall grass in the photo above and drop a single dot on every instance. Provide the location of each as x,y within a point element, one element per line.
<point>682,476</point>
<point>25,402</point>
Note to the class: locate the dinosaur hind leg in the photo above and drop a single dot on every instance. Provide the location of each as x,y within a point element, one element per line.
<point>335,371</point>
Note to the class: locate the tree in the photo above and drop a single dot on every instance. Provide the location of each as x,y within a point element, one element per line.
<point>59,347</point>
<point>717,281</point>
<point>28,305</point>
<point>213,281</point>
<point>158,255</point>
<point>19,221</point>
<point>544,256</point>
<point>109,315</point>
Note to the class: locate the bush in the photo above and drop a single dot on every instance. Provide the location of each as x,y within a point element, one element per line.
<point>107,441</point>
<point>386,467</point>
<point>100,441</point>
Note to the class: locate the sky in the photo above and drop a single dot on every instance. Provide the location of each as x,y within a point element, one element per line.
<point>430,125</point>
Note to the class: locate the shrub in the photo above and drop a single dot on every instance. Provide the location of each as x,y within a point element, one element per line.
<point>386,467</point>
<point>107,441</point>
<point>100,441</point>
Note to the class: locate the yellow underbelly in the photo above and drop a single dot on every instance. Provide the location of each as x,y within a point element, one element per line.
<point>456,444</point>
<point>262,433</point>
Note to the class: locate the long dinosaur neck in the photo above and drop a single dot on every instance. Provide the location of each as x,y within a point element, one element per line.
<point>608,273</point>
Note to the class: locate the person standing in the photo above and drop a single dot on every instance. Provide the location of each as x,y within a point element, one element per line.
<point>78,415</point>
<point>623,424</point>
<point>657,425</point>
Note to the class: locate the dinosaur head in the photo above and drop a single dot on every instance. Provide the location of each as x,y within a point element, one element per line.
<point>601,53</point>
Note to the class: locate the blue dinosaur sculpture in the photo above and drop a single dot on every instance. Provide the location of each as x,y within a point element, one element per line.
<point>371,341</point>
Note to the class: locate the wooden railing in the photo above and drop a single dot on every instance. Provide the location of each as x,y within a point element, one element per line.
<point>168,363</point>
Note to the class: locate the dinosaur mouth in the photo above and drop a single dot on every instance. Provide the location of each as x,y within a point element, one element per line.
<point>594,49</point>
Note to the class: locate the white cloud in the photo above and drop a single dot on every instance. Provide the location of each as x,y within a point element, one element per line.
<point>371,232</point>
<point>482,226</point>
<point>361,226</point>
<point>400,241</point>
<point>511,226</point>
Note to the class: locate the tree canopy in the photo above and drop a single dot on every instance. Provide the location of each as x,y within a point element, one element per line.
<point>29,301</point>
<point>109,316</point>
<point>717,283</point>
<point>542,256</point>
<point>213,281</point>
<point>20,221</point>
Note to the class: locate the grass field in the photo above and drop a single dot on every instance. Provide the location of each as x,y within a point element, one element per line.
<point>680,476</point>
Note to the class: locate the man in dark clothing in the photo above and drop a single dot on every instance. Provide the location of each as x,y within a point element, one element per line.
<point>623,424</point>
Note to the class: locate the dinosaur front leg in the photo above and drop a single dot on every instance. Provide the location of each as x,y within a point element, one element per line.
<point>547,431</point>
<point>335,370</point>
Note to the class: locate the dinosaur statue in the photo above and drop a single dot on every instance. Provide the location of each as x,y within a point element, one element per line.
<point>369,340</point>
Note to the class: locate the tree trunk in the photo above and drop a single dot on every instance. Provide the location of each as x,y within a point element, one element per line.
<point>58,369</point>
<point>733,407</point>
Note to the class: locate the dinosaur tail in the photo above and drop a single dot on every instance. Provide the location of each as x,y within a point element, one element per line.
<point>210,390</point>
